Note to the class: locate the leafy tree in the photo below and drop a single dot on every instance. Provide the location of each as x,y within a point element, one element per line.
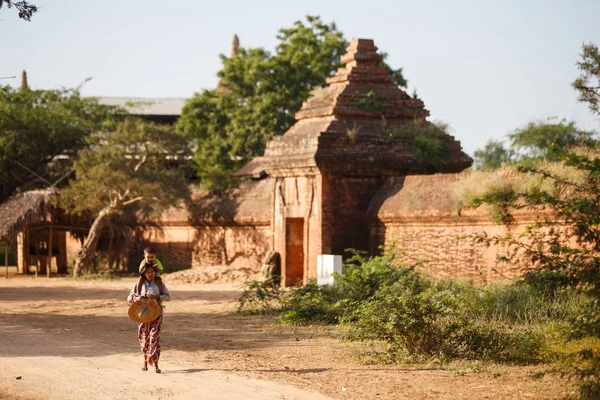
<point>258,96</point>
<point>561,250</point>
<point>133,168</point>
<point>492,156</point>
<point>588,83</point>
<point>40,132</point>
<point>228,128</point>
<point>26,10</point>
<point>535,141</point>
<point>397,74</point>
<point>549,140</point>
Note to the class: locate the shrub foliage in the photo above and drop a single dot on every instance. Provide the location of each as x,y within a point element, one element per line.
<point>416,318</point>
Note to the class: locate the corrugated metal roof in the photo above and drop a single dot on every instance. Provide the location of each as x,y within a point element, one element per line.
<point>146,105</point>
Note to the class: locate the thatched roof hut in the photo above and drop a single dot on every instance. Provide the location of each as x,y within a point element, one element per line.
<point>23,209</point>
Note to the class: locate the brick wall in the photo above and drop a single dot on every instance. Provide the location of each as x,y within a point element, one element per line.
<point>232,229</point>
<point>186,246</point>
<point>346,202</point>
<point>444,249</point>
<point>419,217</point>
<point>235,246</point>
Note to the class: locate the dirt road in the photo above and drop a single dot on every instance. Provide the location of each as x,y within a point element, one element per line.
<point>73,340</point>
<point>65,342</point>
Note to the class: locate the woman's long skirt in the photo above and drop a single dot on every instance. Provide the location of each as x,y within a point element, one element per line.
<point>149,337</point>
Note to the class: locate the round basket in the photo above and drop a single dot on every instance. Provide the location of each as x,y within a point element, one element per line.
<point>144,310</point>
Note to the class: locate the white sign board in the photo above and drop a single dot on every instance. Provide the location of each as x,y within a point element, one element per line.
<point>327,264</point>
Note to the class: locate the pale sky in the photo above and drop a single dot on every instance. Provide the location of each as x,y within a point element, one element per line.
<point>484,67</point>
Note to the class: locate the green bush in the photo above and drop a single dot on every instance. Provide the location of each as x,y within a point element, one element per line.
<point>260,298</point>
<point>520,303</point>
<point>439,323</point>
<point>362,279</point>
<point>309,303</point>
<point>419,318</point>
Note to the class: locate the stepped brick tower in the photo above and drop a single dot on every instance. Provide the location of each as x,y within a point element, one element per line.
<point>349,138</point>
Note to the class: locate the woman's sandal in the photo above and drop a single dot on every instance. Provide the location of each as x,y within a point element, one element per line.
<point>145,367</point>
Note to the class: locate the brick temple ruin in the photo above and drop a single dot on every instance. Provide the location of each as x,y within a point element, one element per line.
<point>331,163</point>
<point>336,180</point>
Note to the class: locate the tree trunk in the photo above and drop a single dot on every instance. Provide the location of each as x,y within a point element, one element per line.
<point>85,256</point>
<point>49,259</point>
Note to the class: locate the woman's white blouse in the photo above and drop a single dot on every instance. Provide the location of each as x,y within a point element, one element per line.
<point>150,289</point>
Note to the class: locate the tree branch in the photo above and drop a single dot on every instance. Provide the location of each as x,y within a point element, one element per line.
<point>121,196</point>
<point>548,175</point>
<point>26,10</point>
<point>131,201</point>
<point>34,173</point>
<point>139,164</point>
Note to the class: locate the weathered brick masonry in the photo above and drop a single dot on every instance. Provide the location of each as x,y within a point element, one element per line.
<point>336,180</point>
<point>332,162</point>
<point>230,230</point>
<point>234,229</point>
<point>420,216</point>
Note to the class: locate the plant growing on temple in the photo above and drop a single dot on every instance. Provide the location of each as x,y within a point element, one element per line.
<point>133,167</point>
<point>40,132</point>
<point>258,95</point>
<point>367,102</point>
<point>428,141</point>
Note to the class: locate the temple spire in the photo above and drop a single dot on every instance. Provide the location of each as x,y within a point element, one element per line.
<point>24,80</point>
<point>363,88</point>
<point>235,46</point>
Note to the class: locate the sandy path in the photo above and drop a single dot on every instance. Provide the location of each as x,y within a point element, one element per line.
<point>56,364</point>
<point>73,340</point>
<point>73,376</point>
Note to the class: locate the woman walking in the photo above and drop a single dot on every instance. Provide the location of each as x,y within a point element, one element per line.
<point>149,332</point>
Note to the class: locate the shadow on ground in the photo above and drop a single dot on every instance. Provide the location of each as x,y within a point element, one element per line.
<point>12,294</point>
<point>96,335</point>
